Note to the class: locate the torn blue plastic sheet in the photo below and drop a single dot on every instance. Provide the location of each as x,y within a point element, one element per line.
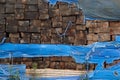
<point>68,1</point>
<point>107,51</point>
<point>33,50</point>
<point>110,73</point>
<point>97,53</point>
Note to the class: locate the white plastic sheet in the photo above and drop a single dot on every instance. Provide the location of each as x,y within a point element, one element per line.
<point>101,9</point>
<point>97,9</point>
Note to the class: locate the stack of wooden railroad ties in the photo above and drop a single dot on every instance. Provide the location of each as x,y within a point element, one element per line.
<point>36,21</point>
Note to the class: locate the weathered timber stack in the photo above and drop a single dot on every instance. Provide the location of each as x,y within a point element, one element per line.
<point>37,21</point>
<point>53,62</point>
<point>98,31</point>
<point>49,62</point>
<point>114,29</point>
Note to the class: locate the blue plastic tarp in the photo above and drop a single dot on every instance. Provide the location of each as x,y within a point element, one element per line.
<point>68,1</point>
<point>33,50</point>
<point>110,73</point>
<point>99,51</point>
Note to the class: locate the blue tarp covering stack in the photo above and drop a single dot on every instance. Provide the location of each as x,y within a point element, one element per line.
<point>97,53</point>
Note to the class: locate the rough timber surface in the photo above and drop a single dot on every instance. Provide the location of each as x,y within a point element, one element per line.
<point>53,72</point>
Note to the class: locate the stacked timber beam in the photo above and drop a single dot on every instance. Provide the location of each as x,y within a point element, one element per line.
<point>37,21</point>
<point>98,31</point>
<point>27,21</point>
<point>49,62</point>
<point>54,62</point>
